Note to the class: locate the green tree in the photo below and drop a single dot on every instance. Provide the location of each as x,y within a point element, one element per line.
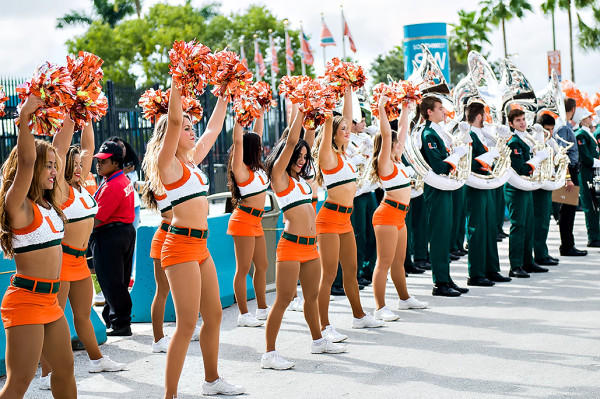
<point>107,11</point>
<point>458,68</point>
<point>470,33</point>
<point>498,12</point>
<point>391,63</point>
<point>589,36</point>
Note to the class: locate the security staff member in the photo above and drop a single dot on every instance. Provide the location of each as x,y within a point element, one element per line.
<point>113,238</point>
<point>519,202</point>
<point>439,202</point>
<point>483,262</point>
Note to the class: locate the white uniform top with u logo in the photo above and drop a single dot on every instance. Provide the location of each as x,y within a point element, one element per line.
<point>257,183</point>
<point>397,179</point>
<point>193,183</point>
<point>297,193</point>
<point>46,230</point>
<point>80,205</point>
<point>344,172</point>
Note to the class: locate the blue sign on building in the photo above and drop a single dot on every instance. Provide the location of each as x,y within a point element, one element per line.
<point>435,37</point>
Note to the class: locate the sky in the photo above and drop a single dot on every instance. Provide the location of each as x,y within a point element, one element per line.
<point>30,36</point>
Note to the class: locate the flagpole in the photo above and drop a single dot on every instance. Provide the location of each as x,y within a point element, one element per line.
<point>285,24</point>
<point>324,57</point>
<point>272,71</point>
<point>255,52</point>
<point>303,54</point>
<point>343,35</point>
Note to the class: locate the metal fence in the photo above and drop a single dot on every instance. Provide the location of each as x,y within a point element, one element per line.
<point>124,119</point>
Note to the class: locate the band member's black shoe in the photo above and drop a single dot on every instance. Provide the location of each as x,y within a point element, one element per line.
<point>480,282</point>
<point>534,268</point>
<point>455,287</point>
<point>454,257</point>
<point>498,278</point>
<point>573,252</point>
<point>594,244</point>
<point>444,290</point>
<point>422,264</point>
<point>519,273</point>
<point>549,261</point>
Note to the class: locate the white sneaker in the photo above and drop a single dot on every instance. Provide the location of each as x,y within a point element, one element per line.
<point>326,346</point>
<point>262,314</point>
<point>332,335</point>
<point>105,364</point>
<point>297,305</point>
<point>367,321</point>
<point>247,320</point>
<point>411,303</point>
<point>196,334</point>
<point>99,299</point>
<point>221,387</point>
<point>385,314</point>
<point>161,346</point>
<point>273,360</point>
<point>45,383</point>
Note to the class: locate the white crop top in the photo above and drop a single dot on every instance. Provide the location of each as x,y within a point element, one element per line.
<point>397,179</point>
<point>192,184</point>
<point>257,183</point>
<point>344,172</point>
<point>297,193</point>
<point>163,203</point>
<point>46,230</point>
<point>80,205</point>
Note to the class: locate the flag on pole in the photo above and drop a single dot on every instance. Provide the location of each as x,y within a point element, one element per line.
<point>289,53</point>
<point>243,57</point>
<point>326,36</point>
<point>348,35</point>
<point>258,58</point>
<point>307,57</point>
<point>274,62</point>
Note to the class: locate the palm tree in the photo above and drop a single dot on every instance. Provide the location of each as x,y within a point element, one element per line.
<point>469,33</point>
<point>107,11</point>
<point>589,36</point>
<point>500,11</point>
<point>550,6</point>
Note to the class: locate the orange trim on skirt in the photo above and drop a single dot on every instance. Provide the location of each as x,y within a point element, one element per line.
<point>330,221</point>
<point>157,243</point>
<point>244,224</point>
<point>22,307</point>
<point>74,268</point>
<point>180,249</point>
<point>387,215</point>
<point>290,251</point>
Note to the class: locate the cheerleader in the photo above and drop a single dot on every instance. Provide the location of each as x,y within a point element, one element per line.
<point>248,183</point>
<point>188,265</point>
<point>32,230</point>
<point>336,236</point>
<point>389,218</point>
<point>297,255</point>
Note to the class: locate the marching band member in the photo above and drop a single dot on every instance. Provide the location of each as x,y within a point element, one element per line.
<point>439,202</point>
<point>588,160</point>
<point>483,261</point>
<point>248,183</point>
<point>389,218</point>
<point>519,202</point>
<point>297,254</point>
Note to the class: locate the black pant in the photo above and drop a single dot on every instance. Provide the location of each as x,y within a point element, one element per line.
<point>566,216</point>
<point>112,249</point>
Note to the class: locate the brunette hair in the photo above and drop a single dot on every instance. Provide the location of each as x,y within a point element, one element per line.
<point>570,104</point>
<point>428,103</point>
<point>377,143</point>
<point>474,109</point>
<point>337,121</point>
<point>252,149</point>
<point>278,149</point>
<point>515,113</point>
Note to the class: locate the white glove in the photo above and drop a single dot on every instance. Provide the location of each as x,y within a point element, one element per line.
<point>358,159</point>
<point>411,172</point>
<point>460,151</point>
<point>596,163</point>
<point>553,144</point>
<point>534,162</point>
<point>464,127</point>
<point>541,155</point>
<point>503,132</point>
<point>486,159</point>
<point>494,152</point>
<point>453,159</point>
<point>538,133</point>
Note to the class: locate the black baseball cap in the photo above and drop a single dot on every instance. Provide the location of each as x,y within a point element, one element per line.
<point>109,149</point>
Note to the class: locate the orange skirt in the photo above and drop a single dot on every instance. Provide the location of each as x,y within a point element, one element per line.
<point>157,241</point>
<point>387,215</point>
<point>291,251</point>
<point>244,224</point>
<point>180,249</point>
<point>330,221</point>
<point>74,268</point>
<point>22,307</point>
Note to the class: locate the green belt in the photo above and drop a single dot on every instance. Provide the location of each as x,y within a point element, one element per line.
<point>42,287</point>
<point>164,226</point>
<point>338,208</point>
<point>299,239</point>
<point>72,251</point>
<point>251,211</point>
<point>397,205</point>
<point>183,231</point>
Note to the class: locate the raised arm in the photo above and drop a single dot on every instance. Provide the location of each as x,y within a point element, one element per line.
<point>347,110</point>
<point>62,142</point>
<point>15,202</point>
<point>309,137</point>
<point>327,157</point>
<point>239,169</point>
<point>214,127</point>
<point>167,151</point>
<point>384,162</point>
<point>403,126</point>
<point>281,164</point>
<point>259,124</point>
<point>87,150</point>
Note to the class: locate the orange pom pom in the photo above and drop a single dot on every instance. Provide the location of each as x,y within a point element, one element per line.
<point>3,99</point>
<point>230,75</point>
<point>264,95</point>
<point>246,107</point>
<point>154,103</point>
<point>90,102</point>
<point>316,100</point>
<point>288,85</point>
<point>192,64</point>
<point>343,74</point>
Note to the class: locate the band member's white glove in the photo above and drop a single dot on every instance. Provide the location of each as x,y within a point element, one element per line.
<point>596,163</point>
<point>553,144</point>
<point>465,129</point>
<point>358,159</point>
<point>538,133</point>
<point>503,132</point>
<point>460,151</point>
<point>453,159</point>
<point>486,159</point>
<point>539,157</point>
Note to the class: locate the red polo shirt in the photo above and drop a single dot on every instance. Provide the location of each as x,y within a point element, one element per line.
<point>115,200</point>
